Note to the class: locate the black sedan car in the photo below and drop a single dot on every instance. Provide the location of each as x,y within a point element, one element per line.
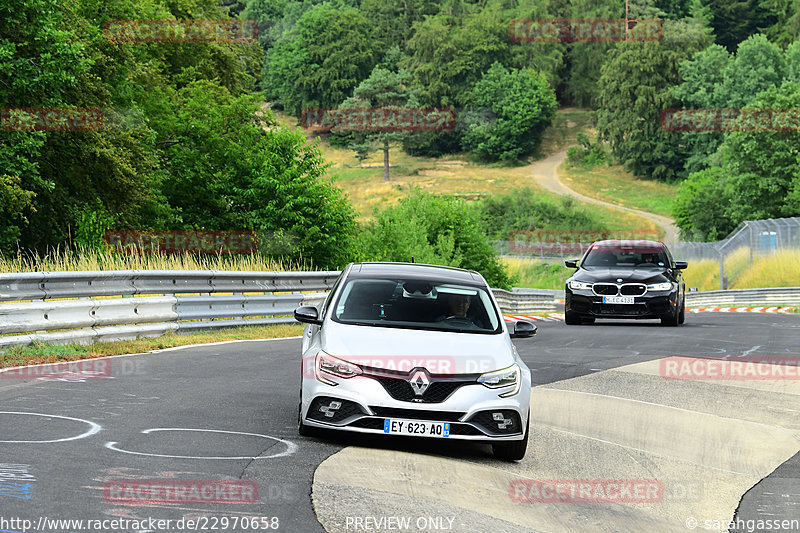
<point>625,279</point>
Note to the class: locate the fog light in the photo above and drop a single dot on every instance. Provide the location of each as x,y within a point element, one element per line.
<point>502,422</point>
<point>330,410</point>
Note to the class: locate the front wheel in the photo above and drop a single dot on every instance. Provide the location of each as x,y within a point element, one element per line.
<point>672,320</point>
<point>302,429</point>
<point>682,314</point>
<point>512,450</point>
<point>572,319</point>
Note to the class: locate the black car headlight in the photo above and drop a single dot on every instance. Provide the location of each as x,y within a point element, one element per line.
<point>666,286</point>
<point>579,285</point>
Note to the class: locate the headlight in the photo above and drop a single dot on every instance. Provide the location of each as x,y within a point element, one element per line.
<point>506,377</point>
<point>579,285</point>
<point>666,286</point>
<point>333,366</point>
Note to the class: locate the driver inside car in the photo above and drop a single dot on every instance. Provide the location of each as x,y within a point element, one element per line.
<point>458,306</point>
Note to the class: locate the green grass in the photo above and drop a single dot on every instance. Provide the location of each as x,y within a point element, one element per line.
<point>781,269</point>
<point>458,175</point>
<point>62,260</point>
<point>45,353</point>
<point>533,274</point>
<point>614,185</point>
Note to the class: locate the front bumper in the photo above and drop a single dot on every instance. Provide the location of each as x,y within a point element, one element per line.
<point>362,405</point>
<point>651,305</point>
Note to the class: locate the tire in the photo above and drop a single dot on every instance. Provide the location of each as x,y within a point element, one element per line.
<point>302,429</point>
<point>571,319</point>
<point>672,320</point>
<point>512,450</point>
<point>682,314</point>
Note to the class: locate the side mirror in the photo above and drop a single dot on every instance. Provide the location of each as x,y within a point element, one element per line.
<point>681,265</point>
<point>307,314</point>
<point>523,329</point>
<point>571,263</point>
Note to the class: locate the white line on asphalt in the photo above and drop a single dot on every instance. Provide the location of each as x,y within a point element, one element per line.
<point>93,428</point>
<point>290,446</point>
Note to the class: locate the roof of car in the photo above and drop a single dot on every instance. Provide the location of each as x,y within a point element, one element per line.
<point>416,270</point>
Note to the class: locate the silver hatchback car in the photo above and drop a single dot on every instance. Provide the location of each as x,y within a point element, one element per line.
<point>414,350</point>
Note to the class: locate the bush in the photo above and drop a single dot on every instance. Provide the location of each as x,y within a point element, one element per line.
<point>523,210</point>
<point>587,155</point>
<point>435,230</point>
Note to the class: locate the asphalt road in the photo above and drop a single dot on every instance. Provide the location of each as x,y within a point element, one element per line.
<point>228,412</point>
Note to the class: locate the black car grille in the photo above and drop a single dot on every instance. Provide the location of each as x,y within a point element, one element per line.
<point>605,289</point>
<point>332,410</point>
<point>368,423</point>
<point>498,422</point>
<point>437,392</point>
<point>633,289</point>
<point>417,414</point>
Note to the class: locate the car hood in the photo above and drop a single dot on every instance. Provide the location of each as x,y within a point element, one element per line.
<point>627,275</point>
<point>403,349</point>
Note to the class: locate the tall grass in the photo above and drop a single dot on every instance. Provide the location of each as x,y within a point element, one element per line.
<point>781,269</point>
<point>66,259</point>
<point>533,274</point>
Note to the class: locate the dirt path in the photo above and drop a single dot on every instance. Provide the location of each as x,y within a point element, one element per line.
<point>545,172</point>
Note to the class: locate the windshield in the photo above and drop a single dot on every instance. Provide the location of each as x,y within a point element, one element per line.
<point>625,256</point>
<point>415,304</point>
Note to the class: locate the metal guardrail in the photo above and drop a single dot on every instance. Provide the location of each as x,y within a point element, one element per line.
<point>745,297</point>
<point>82,307</point>
<point>522,301</point>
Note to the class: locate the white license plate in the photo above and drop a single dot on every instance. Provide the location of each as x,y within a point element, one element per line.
<point>617,299</point>
<point>419,428</point>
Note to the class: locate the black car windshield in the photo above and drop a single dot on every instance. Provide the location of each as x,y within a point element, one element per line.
<point>625,256</point>
<point>417,304</point>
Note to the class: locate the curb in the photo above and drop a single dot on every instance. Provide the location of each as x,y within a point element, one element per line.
<point>740,309</point>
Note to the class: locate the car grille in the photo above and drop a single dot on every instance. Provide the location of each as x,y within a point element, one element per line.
<point>437,392</point>
<point>633,289</point>
<point>605,289</point>
<point>417,414</point>
<point>626,289</point>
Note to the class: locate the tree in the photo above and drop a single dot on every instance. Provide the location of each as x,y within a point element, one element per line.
<point>702,205</point>
<point>386,90</point>
<point>522,104</point>
<point>321,60</point>
<point>228,169</point>
<point>758,175</point>
<point>437,230</point>
<point>764,165</point>
<point>636,81</point>
<point>716,79</point>
<point>735,20</point>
